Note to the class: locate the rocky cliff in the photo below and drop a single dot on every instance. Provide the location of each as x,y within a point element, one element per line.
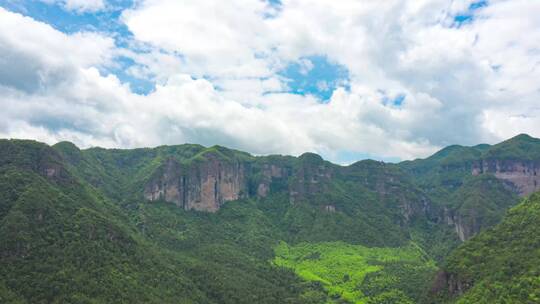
<point>446,285</point>
<point>270,174</point>
<point>521,175</point>
<point>474,205</point>
<point>203,185</point>
<point>311,177</point>
<point>464,228</point>
<point>210,181</point>
<point>479,207</point>
<point>500,265</point>
<point>221,175</point>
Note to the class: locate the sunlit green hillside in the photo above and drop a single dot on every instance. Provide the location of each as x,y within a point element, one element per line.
<point>360,274</point>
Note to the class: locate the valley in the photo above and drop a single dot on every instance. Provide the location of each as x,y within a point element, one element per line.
<point>191,224</point>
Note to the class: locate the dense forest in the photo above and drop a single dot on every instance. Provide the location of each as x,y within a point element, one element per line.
<point>190,224</point>
<point>501,264</point>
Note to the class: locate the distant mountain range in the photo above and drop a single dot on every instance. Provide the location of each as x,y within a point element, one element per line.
<point>190,224</point>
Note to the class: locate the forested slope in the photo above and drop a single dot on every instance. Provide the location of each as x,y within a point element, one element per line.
<point>500,265</point>
<point>193,224</point>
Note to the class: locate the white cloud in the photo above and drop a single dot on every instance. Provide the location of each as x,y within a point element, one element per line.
<point>35,56</point>
<point>305,66</point>
<point>80,6</point>
<point>467,84</point>
<point>216,37</point>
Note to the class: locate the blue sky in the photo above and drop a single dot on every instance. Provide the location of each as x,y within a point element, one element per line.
<point>350,80</point>
<point>315,75</point>
<point>467,16</point>
<point>70,21</point>
<point>322,78</point>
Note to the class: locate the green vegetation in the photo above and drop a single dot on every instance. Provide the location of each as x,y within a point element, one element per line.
<point>482,201</point>
<point>62,241</point>
<point>502,264</point>
<point>476,202</point>
<point>57,247</point>
<point>521,147</point>
<point>75,228</point>
<point>359,274</point>
<point>86,235</point>
<point>445,171</point>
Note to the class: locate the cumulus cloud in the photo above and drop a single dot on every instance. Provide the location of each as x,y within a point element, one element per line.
<point>35,56</point>
<point>216,66</point>
<point>214,37</point>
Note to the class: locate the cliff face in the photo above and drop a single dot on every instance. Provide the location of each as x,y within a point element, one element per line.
<point>522,175</point>
<point>447,285</point>
<point>312,176</point>
<point>168,184</point>
<point>207,183</point>
<point>271,172</point>
<point>480,202</point>
<point>464,228</point>
<point>499,265</point>
<point>203,186</point>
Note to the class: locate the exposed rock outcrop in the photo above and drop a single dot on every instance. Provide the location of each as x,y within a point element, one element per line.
<point>207,183</point>
<point>168,184</point>
<point>313,176</point>
<point>203,185</point>
<point>413,209</point>
<point>329,208</point>
<point>519,176</point>
<point>522,175</point>
<point>449,285</point>
<point>464,229</point>
<point>269,173</point>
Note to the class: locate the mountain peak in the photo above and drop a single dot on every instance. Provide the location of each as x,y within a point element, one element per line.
<point>521,146</point>
<point>311,157</point>
<point>523,137</point>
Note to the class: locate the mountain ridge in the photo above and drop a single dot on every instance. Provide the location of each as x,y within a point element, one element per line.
<point>199,213</point>
<point>500,264</point>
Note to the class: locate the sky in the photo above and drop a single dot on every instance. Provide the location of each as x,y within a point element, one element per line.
<point>350,79</point>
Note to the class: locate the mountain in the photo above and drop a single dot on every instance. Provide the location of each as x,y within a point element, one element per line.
<point>473,186</point>
<point>63,241</point>
<point>193,224</point>
<point>307,195</point>
<point>500,265</point>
